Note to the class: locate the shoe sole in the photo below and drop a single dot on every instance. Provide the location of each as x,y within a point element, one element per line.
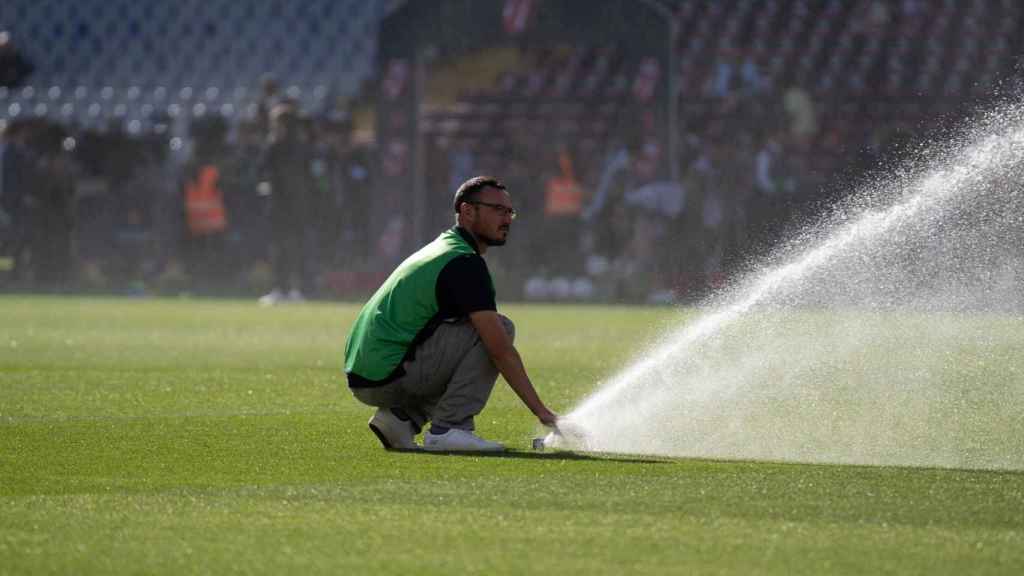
<point>380,436</point>
<point>464,450</point>
<point>387,445</point>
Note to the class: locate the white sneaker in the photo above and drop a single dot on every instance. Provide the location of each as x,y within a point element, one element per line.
<point>393,433</point>
<point>273,298</point>
<point>456,440</point>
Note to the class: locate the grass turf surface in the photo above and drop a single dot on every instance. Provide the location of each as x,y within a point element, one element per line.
<point>199,436</point>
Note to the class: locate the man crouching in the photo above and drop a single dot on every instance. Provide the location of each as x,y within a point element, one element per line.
<point>429,344</point>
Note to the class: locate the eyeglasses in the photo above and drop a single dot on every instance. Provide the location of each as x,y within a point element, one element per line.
<point>501,208</point>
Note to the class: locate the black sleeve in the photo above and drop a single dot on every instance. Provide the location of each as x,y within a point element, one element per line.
<point>464,286</point>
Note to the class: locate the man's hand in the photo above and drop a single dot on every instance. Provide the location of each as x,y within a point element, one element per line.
<point>548,418</point>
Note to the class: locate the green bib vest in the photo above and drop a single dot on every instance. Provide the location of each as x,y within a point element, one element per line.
<point>404,305</point>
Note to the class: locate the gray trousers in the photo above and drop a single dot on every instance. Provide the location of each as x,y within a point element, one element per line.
<point>447,382</point>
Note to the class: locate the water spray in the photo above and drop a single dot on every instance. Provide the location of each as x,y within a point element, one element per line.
<point>873,338</point>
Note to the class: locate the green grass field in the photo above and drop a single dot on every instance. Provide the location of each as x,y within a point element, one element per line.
<point>178,436</point>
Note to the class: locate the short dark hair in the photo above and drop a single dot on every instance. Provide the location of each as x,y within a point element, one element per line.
<point>471,188</point>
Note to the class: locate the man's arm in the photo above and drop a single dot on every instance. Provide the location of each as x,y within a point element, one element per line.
<point>506,358</point>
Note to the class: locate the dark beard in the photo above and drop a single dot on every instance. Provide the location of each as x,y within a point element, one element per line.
<point>494,241</point>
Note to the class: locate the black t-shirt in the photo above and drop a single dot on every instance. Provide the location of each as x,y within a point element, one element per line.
<point>463,287</point>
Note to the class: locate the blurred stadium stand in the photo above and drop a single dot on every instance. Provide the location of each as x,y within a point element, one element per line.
<point>871,53</point>
<point>102,60</point>
<point>776,98</point>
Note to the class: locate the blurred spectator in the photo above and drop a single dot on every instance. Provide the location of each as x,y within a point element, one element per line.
<point>710,238</point>
<point>248,210</point>
<point>4,216</point>
<point>206,215</point>
<point>330,221</point>
<point>286,167</point>
<point>563,206</point>
<point>615,168</point>
<point>358,189</point>
<point>461,163</point>
<point>14,68</point>
<point>15,188</point>
<point>753,79</point>
<point>801,111</point>
<point>45,186</point>
<point>57,196</point>
<point>269,98</point>
<point>773,185</point>
<point>158,184</point>
<point>723,80</point>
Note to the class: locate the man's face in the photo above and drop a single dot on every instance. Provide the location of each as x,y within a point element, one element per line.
<point>491,216</point>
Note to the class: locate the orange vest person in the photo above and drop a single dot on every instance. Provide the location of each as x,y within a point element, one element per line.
<point>563,196</point>
<point>204,203</point>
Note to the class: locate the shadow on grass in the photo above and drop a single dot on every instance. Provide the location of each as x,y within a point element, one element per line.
<point>537,455</point>
<point>633,459</point>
